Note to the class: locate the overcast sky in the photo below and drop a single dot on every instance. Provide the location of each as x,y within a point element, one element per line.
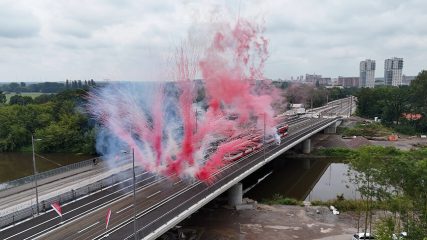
<point>51,40</point>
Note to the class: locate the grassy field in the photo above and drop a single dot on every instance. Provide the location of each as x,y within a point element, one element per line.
<point>31,94</point>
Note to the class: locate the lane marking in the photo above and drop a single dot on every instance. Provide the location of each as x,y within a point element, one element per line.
<point>74,209</point>
<point>125,194</point>
<point>86,228</point>
<point>97,208</point>
<point>154,194</point>
<point>121,210</point>
<point>177,182</point>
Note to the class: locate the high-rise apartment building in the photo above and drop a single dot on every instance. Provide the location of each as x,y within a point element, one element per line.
<point>367,73</point>
<point>393,71</point>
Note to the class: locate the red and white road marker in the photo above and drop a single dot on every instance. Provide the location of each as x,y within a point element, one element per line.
<point>57,208</point>
<point>107,218</point>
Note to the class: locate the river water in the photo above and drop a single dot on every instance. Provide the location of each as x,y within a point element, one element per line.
<point>290,177</point>
<point>17,165</point>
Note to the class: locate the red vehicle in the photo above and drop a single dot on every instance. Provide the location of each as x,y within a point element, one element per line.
<point>233,156</point>
<point>283,130</point>
<point>255,143</point>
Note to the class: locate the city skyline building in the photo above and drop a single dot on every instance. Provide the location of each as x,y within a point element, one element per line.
<point>367,73</point>
<point>393,71</point>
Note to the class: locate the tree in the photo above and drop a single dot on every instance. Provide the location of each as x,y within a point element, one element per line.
<point>20,100</point>
<point>395,103</point>
<point>3,98</point>
<point>419,89</point>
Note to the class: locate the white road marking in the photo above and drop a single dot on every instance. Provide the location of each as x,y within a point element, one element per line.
<point>86,228</point>
<point>154,194</point>
<point>177,182</point>
<point>125,208</point>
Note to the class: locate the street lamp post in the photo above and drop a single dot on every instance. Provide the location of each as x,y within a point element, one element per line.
<point>264,138</point>
<point>35,172</point>
<point>134,194</point>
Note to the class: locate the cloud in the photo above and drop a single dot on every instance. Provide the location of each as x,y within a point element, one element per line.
<point>17,23</point>
<point>57,39</point>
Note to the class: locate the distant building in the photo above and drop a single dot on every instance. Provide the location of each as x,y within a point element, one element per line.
<point>325,81</point>
<point>367,73</point>
<point>406,80</point>
<point>312,78</point>
<point>393,71</point>
<point>348,81</point>
<point>379,81</point>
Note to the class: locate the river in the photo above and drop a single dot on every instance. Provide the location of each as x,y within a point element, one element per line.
<point>290,177</point>
<point>17,165</point>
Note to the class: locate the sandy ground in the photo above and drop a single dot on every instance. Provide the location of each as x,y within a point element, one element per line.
<point>332,140</point>
<point>271,222</point>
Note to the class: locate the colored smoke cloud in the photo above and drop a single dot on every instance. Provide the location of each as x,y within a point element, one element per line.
<point>185,128</point>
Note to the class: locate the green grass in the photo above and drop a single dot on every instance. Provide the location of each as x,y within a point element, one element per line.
<point>31,94</point>
<point>280,200</point>
<point>346,205</point>
<point>368,129</point>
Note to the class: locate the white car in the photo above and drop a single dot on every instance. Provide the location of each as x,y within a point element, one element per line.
<point>362,235</point>
<point>402,235</point>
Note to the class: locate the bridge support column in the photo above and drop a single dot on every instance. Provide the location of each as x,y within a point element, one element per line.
<point>306,146</point>
<point>331,129</point>
<point>235,195</point>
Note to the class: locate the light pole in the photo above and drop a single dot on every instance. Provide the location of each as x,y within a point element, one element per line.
<point>35,172</point>
<point>264,138</point>
<point>134,194</point>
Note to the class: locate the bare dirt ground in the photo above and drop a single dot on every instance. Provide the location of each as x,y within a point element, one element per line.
<point>272,222</point>
<point>332,140</point>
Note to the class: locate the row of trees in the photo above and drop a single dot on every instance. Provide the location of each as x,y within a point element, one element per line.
<point>57,119</point>
<point>396,180</point>
<point>47,87</point>
<point>390,104</point>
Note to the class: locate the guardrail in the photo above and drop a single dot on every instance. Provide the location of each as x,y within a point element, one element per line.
<point>69,196</point>
<point>43,175</point>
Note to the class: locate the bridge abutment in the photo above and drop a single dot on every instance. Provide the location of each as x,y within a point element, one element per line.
<point>306,146</point>
<point>235,195</point>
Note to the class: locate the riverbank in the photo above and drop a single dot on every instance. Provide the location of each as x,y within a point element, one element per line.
<point>270,222</point>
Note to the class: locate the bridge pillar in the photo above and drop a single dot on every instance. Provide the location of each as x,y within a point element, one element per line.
<point>306,146</point>
<point>331,129</point>
<point>235,195</point>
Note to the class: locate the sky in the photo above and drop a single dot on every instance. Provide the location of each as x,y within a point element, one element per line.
<point>54,40</point>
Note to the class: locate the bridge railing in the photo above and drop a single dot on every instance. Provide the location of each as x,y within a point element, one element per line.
<point>45,205</point>
<point>49,173</point>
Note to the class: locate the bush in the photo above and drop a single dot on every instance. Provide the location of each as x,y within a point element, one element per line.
<point>335,152</point>
<point>280,200</point>
<point>368,129</point>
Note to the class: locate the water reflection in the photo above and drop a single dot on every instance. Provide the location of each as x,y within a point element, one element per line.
<point>17,165</point>
<point>322,180</point>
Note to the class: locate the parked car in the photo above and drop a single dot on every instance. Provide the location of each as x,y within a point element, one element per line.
<point>362,235</point>
<point>402,235</point>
